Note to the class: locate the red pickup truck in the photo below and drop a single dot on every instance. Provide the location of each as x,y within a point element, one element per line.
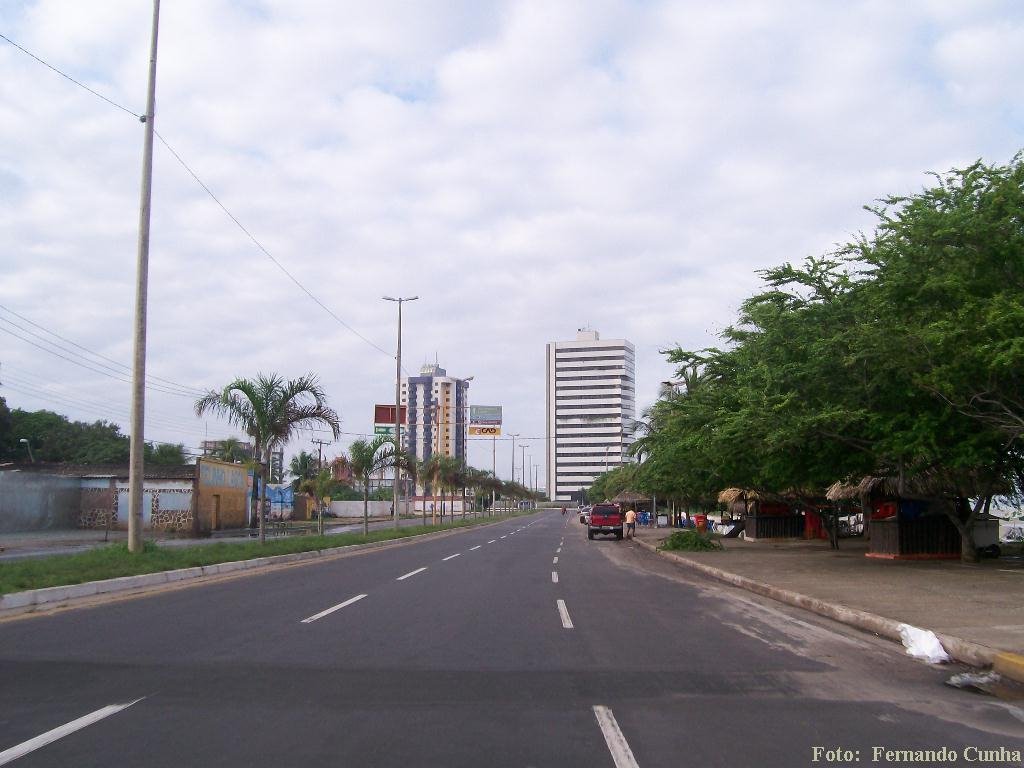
<point>605,518</point>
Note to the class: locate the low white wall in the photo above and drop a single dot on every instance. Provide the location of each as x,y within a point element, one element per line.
<point>429,505</point>
<point>355,508</point>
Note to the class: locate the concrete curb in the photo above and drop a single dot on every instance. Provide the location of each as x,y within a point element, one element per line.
<point>1009,665</point>
<point>30,601</point>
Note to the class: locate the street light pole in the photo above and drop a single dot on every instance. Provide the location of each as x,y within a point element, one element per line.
<point>398,403</point>
<point>137,446</point>
<point>522,462</point>
<point>514,436</point>
<point>28,445</point>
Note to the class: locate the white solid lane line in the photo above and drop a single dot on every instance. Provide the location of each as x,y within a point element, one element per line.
<point>411,573</point>
<point>60,732</point>
<point>564,613</point>
<point>622,755</point>
<point>443,559</point>
<point>554,577</point>
<point>332,609</point>
<point>476,547</point>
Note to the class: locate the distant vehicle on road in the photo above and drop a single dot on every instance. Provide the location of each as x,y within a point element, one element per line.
<point>605,519</point>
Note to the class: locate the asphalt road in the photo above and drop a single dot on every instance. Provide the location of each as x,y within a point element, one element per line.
<point>456,652</point>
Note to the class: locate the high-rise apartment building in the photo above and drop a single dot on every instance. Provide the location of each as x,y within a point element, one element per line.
<point>591,406</point>
<point>436,414</point>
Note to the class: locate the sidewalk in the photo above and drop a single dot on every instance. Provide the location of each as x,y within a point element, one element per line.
<point>977,610</point>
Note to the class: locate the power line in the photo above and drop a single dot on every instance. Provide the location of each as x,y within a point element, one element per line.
<point>41,389</point>
<point>210,193</point>
<point>259,245</point>
<point>116,377</point>
<point>69,77</point>
<point>196,390</point>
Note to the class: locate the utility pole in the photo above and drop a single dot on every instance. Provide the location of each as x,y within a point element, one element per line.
<point>494,469</point>
<point>398,403</point>
<point>137,448</point>
<point>319,454</point>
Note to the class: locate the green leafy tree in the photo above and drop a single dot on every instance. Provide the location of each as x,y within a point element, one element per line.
<point>270,410</point>
<point>898,355</point>
<point>166,454</point>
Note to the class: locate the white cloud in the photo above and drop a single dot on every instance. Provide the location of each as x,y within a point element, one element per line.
<point>526,167</point>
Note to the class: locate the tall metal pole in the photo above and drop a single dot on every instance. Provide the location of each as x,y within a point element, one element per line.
<point>514,436</point>
<point>398,404</point>
<point>137,444</point>
<point>494,468</point>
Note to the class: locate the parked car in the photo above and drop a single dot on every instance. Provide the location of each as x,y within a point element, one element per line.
<point>605,519</point>
<point>584,514</point>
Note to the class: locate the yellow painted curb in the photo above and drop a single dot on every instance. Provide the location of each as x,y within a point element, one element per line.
<point>1009,665</point>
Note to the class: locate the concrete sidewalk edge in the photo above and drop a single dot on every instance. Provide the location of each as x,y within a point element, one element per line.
<point>1009,665</point>
<point>47,598</point>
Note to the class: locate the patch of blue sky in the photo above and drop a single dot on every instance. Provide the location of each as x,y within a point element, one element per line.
<point>409,90</point>
<point>12,187</point>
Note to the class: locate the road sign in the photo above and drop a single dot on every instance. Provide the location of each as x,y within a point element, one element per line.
<point>485,414</point>
<point>487,431</point>
<point>385,414</point>
<point>384,429</point>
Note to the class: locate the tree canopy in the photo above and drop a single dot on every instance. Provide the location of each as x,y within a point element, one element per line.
<point>898,354</point>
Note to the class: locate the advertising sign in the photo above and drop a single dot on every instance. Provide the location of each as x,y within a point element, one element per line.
<point>385,414</point>
<point>485,414</point>
<point>484,430</point>
<point>384,429</point>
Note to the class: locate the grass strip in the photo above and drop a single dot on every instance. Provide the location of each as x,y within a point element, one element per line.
<point>115,560</point>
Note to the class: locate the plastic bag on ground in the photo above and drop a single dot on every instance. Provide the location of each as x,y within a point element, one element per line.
<point>923,644</point>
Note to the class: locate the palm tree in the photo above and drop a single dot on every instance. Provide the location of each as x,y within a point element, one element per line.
<point>319,487</point>
<point>303,467</point>
<point>367,459</point>
<point>270,410</point>
<point>430,472</point>
<point>448,473</point>
<point>231,450</point>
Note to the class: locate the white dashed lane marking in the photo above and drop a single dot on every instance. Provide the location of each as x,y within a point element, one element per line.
<point>476,547</point>
<point>443,559</point>
<point>332,609</point>
<point>554,577</point>
<point>60,732</point>
<point>622,755</point>
<point>563,612</point>
<point>411,573</point>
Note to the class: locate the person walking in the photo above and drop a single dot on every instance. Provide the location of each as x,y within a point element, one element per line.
<point>631,524</point>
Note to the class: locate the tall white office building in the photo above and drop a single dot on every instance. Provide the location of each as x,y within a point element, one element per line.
<point>591,407</point>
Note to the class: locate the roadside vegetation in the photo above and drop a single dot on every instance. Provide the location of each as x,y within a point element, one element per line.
<point>898,356</point>
<point>691,540</point>
<point>115,560</point>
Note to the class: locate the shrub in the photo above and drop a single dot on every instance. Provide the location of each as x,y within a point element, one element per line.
<point>691,540</point>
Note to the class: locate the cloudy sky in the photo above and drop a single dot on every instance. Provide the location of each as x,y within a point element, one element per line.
<point>526,168</point>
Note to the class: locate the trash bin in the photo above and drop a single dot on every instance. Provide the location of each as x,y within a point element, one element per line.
<point>701,521</point>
